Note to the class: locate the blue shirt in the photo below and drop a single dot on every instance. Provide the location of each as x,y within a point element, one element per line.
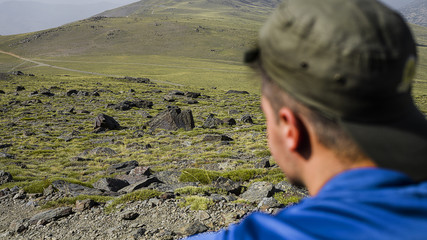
<point>366,203</point>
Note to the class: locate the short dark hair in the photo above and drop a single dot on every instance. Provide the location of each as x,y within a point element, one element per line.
<point>328,131</point>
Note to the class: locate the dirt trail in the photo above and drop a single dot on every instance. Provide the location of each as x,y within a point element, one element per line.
<point>41,64</point>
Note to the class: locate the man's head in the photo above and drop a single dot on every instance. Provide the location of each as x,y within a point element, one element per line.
<point>349,64</point>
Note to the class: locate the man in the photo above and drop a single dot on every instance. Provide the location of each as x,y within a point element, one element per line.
<point>336,93</point>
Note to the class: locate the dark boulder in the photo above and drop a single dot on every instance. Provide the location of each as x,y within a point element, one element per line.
<point>20,88</point>
<point>247,119</point>
<point>5,177</point>
<point>124,167</point>
<point>176,93</point>
<point>212,122</point>
<point>230,121</point>
<point>72,92</point>
<point>237,92</point>
<point>106,122</point>
<point>110,184</point>
<point>192,95</point>
<point>216,138</point>
<point>173,119</point>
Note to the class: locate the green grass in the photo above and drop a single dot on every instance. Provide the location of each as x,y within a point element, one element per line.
<point>67,201</point>
<point>197,203</point>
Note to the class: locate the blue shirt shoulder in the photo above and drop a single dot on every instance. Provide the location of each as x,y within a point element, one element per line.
<point>366,203</point>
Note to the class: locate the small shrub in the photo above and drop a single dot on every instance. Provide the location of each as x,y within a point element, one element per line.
<point>198,175</point>
<point>197,203</point>
<point>285,199</point>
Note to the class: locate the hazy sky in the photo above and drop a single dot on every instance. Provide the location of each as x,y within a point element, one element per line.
<point>74,1</point>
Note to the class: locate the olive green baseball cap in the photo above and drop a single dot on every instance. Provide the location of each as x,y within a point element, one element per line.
<point>353,61</point>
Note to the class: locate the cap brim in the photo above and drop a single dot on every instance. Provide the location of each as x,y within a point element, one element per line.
<point>399,144</point>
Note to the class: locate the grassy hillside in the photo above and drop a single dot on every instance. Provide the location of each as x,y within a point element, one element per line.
<point>211,29</point>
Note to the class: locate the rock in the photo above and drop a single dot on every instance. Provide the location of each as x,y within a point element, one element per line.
<point>192,95</point>
<point>138,134</point>
<point>110,184</point>
<point>102,151</point>
<point>72,92</point>
<point>216,138</point>
<point>212,122</point>
<point>80,159</point>
<point>176,93</point>
<point>130,215</point>
<point>106,122</point>
<point>5,145</point>
<point>47,93</point>
<point>139,185</point>
<point>82,205</point>
<point>229,121</point>
<point>140,171</point>
<point>173,119</point>
<point>20,88</point>
<point>127,105</point>
<point>167,195</point>
<point>168,177</point>
<point>124,167</point>
<point>17,73</point>
<point>20,195</point>
<point>6,155</point>
<point>75,189</point>
<point>265,163</point>
<point>194,228</point>
<point>169,98</point>
<point>191,102</point>
<point>139,233</point>
<point>145,114</point>
<point>18,226</point>
<point>247,119</point>
<point>267,203</point>
<point>2,92</point>
<point>286,187</point>
<point>236,92</point>
<point>4,192</point>
<point>48,191</point>
<point>46,217</point>
<point>5,177</point>
<point>258,191</point>
<point>229,185</point>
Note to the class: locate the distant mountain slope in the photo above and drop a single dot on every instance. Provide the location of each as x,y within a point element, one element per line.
<point>216,29</point>
<point>416,12</point>
<point>25,16</point>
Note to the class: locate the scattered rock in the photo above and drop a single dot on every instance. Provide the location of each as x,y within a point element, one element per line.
<point>46,217</point>
<point>145,114</point>
<point>169,98</point>
<point>130,216</point>
<point>258,191</point>
<point>212,122</point>
<point>176,93</point>
<point>102,151</point>
<point>247,119</point>
<point>138,185</point>
<point>2,92</point>
<point>110,184</point>
<point>265,163</point>
<point>7,145</point>
<point>216,138</point>
<point>173,119</point>
<point>20,88</point>
<point>229,185</point>
<point>72,92</point>
<point>236,92</point>
<point>75,189</point>
<point>127,105</point>
<point>194,228</point>
<point>192,95</point>
<point>103,121</point>
<point>5,177</point>
<point>82,205</point>
<point>191,102</point>
<point>124,167</point>
<point>18,226</point>
<point>230,121</point>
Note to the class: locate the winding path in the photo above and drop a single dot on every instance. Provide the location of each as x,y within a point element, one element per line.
<point>40,64</point>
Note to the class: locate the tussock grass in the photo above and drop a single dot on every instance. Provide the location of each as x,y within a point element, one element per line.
<point>139,195</point>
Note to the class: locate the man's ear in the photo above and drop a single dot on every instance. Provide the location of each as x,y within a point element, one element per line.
<point>290,127</point>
